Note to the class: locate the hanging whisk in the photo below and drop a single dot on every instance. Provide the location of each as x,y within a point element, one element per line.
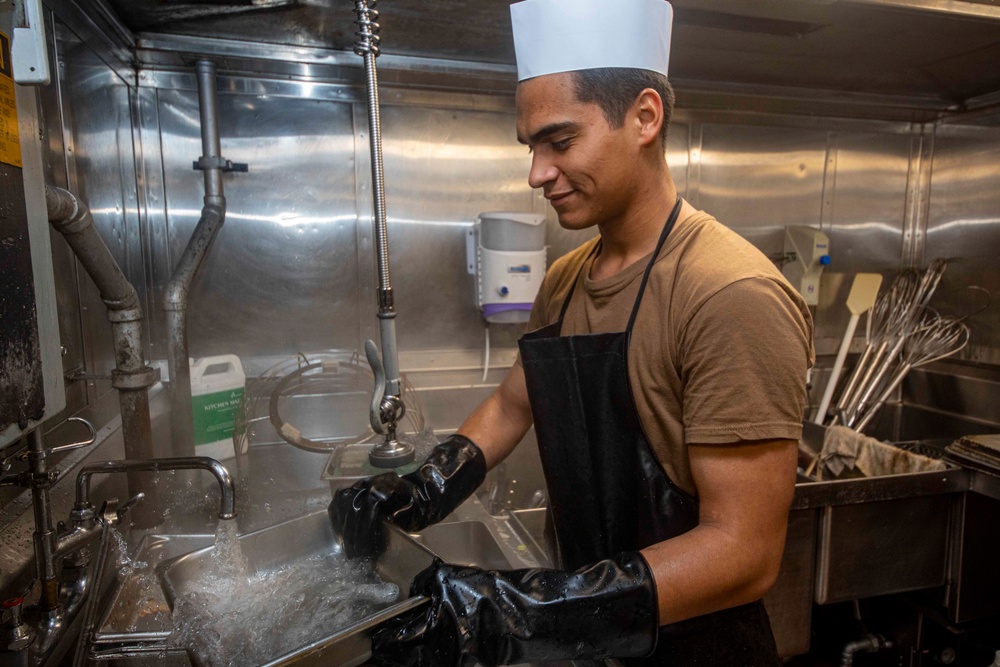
<point>936,339</point>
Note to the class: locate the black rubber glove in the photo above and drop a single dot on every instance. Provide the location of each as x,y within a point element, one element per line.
<point>450,474</point>
<point>608,609</point>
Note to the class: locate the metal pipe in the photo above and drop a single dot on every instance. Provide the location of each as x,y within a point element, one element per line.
<point>44,537</point>
<point>90,611</point>
<point>131,377</point>
<point>870,644</point>
<point>222,476</point>
<point>71,218</point>
<point>59,601</point>
<point>211,143</point>
<point>175,299</point>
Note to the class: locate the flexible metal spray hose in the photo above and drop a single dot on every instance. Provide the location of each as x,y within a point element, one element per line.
<point>387,405</point>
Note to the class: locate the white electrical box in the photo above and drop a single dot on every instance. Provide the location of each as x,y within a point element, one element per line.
<point>807,253</point>
<point>507,255</point>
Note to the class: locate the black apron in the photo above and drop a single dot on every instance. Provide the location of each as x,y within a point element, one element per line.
<point>608,493</point>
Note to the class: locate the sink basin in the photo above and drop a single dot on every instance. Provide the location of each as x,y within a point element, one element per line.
<point>128,629</point>
<point>464,543</point>
<point>530,526</point>
<point>883,534</point>
<point>271,553</point>
<point>138,611</point>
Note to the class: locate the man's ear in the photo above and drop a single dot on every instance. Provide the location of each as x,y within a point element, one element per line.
<point>647,111</point>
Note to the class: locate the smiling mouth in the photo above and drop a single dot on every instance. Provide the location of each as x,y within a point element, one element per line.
<point>559,198</point>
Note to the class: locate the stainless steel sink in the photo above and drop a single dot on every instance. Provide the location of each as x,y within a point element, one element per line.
<point>128,629</point>
<point>464,543</point>
<point>136,619</point>
<point>310,536</point>
<point>530,526</point>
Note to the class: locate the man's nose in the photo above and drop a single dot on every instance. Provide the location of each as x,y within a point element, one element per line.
<point>542,171</point>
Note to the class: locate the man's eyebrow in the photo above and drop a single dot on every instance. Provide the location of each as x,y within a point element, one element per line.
<point>547,131</point>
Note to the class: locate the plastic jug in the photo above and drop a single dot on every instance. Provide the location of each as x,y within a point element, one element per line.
<point>217,386</point>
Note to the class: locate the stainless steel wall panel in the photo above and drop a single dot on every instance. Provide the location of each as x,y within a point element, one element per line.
<point>450,156</point>
<point>130,164</point>
<point>867,192</point>
<point>100,29</point>
<point>758,180</point>
<point>442,168</point>
<point>153,213</point>
<point>281,276</point>
<point>95,159</point>
<point>869,199</point>
<point>917,194</point>
<point>964,223</point>
<point>678,155</point>
<point>294,219</point>
<point>63,262</point>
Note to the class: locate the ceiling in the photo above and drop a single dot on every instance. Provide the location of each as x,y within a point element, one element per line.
<point>939,53</point>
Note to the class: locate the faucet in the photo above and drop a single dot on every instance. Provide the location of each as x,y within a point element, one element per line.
<point>226,486</point>
<point>48,544</point>
<point>62,598</point>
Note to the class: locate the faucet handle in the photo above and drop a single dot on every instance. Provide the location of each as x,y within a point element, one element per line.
<point>108,514</point>
<point>129,504</point>
<point>6,477</point>
<point>375,410</point>
<point>15,634</point>
<point>81,443</point>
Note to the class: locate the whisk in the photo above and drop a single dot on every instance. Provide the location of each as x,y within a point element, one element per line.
<point>935,339</point>
<point>884,326</point>
<point>895,315</point>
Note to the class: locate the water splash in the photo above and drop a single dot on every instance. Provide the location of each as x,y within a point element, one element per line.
<point>236,616</point>
<point>140,584</point>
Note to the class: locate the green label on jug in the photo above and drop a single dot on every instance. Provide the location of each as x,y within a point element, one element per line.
<point>215,415</point>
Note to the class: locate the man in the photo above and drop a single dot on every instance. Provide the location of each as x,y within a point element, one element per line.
<point>664,372</point>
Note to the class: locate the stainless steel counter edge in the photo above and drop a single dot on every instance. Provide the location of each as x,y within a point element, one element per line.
<point>985,484</point>
<point>863,490</point>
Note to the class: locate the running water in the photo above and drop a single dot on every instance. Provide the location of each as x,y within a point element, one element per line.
<point>236,617</point>
<point>140,585</point>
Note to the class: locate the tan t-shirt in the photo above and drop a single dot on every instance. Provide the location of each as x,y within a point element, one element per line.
<point>721,343</point>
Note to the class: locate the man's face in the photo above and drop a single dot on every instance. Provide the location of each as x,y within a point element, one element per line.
<point>582,164</point>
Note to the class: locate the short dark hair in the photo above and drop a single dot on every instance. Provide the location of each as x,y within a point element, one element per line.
<point>615,89</point>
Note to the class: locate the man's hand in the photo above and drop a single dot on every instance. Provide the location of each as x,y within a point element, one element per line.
<point>603,610</point>
<point>450,474</point>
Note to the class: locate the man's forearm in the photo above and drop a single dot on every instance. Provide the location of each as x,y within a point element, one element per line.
<point>501,421</point>
<point>706,570</point>
<point>732,557</point>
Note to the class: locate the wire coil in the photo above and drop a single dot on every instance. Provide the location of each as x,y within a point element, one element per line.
<point>368,28</point>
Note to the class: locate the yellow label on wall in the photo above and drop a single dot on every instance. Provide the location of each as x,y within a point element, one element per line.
<point>10,139</point>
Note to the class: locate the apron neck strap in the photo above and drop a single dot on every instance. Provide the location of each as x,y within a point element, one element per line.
<point>667,228</point>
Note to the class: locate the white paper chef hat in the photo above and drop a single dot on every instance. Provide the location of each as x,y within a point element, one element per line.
<point>567,35</point>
